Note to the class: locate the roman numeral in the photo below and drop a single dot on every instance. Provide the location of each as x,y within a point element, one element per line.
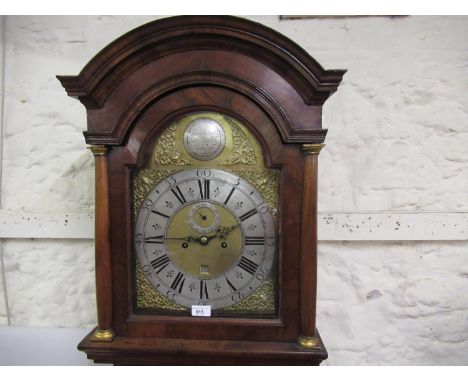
<point>229,196</point>
<point>160,214</point>
<point>248,214</point>
<point>203,290</point>
<point>233,288</point>
<point>155,239</point>
<point>178,282</point>
<point>178,194</point>
<point>247,265</point>
<point>254,240</point>
<point>160,263</point>
<point>204,188</point>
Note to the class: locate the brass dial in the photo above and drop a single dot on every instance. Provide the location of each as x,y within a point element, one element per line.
<point>205,236</point>
<point>207,254</point>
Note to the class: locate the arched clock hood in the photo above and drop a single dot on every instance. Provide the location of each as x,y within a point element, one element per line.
<point>152,61</point>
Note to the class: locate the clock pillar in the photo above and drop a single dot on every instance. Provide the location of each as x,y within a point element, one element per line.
<point>308,264</point>
<point>104,330</point>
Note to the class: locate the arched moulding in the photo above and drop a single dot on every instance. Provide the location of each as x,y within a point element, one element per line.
<point>160,57</point>
<point>213,79</point>
<point>163,111</point>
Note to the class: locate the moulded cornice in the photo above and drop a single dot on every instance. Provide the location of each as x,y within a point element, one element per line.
<point>166,36</point>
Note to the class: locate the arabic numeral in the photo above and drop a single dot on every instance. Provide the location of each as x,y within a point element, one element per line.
<point>263,209</point>
<point>238,296</point>
<point>261,275</point>
<point>204,172</point>
<point>171,295</point>
<point>171,181</point>
<point>146,270</point>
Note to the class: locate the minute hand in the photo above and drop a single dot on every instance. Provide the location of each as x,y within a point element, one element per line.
<point>224,231</point>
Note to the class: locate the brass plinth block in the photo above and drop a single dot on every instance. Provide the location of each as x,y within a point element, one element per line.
<point>307,342</point>
<point>312,148</point>
<point>99,150</point>
<point>103,335</point>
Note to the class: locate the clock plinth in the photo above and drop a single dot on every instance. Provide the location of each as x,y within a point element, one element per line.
<point>206,153</point>
<point>186,352</point>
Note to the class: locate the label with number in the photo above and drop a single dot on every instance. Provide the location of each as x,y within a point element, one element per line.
<point>201,310</point>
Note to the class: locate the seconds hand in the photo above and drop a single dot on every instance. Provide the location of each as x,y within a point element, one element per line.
<point>202,216</point>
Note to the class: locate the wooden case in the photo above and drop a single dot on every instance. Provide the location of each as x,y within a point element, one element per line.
<point>136,87</point>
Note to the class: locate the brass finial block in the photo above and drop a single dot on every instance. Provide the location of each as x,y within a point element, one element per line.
<point>100,335</point>
<point>307,342</point>
<point>99,150</point>
<point>312,148</point>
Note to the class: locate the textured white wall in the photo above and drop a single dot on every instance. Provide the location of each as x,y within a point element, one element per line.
<point>396,150</point>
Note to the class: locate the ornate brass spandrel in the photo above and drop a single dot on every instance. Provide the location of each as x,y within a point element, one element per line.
<point>242,155</point>
<point>242,151</point>
<point>261,301</point>
<point>165,152</point>
<point>264,180</point>
<point>143,182</point>
<point>150,298</point>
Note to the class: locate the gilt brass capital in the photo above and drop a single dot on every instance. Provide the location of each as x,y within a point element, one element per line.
<point>99,150</point>
<point>103,335</point>
<point>307,342</point>
<point>312,148</point>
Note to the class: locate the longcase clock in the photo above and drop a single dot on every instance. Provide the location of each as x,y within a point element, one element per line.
<point>206,133</point>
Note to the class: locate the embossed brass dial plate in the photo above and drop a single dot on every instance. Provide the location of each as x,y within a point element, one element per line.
<point>241,155</point>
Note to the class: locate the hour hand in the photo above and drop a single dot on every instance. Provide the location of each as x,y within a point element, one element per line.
<point>186,238</point>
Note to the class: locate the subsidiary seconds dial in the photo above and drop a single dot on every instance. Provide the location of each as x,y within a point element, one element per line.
<point>205,236</point>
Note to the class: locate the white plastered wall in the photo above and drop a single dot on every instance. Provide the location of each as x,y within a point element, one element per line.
<point>393,194</point>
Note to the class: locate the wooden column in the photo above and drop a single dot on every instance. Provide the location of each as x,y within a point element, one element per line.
<point>104,330</point>
<point>308,271</point>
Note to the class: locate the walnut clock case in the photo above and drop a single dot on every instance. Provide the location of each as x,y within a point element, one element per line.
<point>206,133</point>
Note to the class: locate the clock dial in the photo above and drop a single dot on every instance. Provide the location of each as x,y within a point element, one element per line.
<point>205,236</point>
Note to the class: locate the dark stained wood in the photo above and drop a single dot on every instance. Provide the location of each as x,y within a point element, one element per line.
<point>160,351</point>
<point>230,52</point>
<point>132,90</point>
